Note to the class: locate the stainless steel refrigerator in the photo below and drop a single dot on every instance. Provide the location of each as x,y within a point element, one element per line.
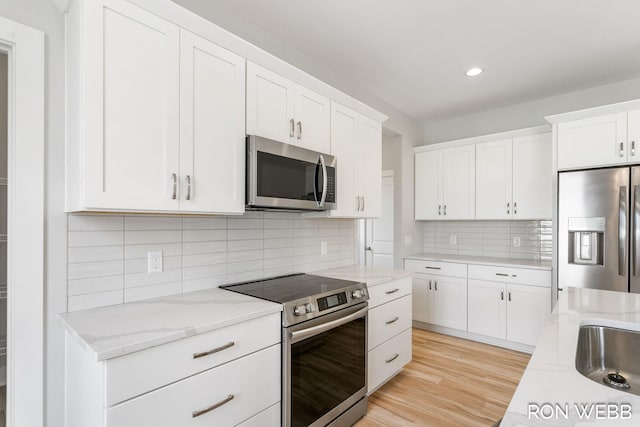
<point>599,229</point>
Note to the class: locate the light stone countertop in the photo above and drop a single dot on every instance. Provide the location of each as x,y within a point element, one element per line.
<point>372,276</point>
<point>551,376</point>
<point>113,331</point>
<point>483,260</point>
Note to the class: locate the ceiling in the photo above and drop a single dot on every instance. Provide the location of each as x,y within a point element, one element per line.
<point>414,53</point>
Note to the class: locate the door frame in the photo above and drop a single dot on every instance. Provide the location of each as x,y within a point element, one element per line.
<point>25,223</point>
<point>368,223</point>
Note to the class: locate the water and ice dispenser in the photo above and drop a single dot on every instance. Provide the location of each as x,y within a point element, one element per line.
<point>586,241</point>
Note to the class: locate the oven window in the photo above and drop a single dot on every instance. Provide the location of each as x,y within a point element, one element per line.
<point>285,178</point>
<point>326,369</point>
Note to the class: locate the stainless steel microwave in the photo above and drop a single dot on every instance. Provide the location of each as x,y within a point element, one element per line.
<point>284,176</point>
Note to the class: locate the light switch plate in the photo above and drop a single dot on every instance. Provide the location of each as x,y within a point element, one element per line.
<point>453,239</point>
<point>407,240</point>
<point>323,248</point>
<point>154,262</point>
<point>516,242</point>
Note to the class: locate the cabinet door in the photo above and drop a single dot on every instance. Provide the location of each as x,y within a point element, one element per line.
<point>344,134</point>
<point>487,311</point>
<point>633,152</point>
<point>458,183</point>
<point>493,180</point>
<point>450,302</point>
<point>428,185</point>
<point>528,308</point>
<point>421,298</point>
<point>131,146</point>
<point>270,104</point>
<point>313,120</point>
<point>212,146</point>
<point>369,172</point>
<point>595,141</point>
<point>532,177</point>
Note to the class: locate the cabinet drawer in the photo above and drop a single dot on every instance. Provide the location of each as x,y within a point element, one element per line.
<point>388,320</point>
<point>253,381</point>
<point>386,292</point>
<point>137,373</point>
<point>270,417</point>
<point>436,268</point>
<point>511,275</point>
<point>387,359</point>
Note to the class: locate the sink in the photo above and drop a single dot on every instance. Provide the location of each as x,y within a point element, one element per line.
<point>610,356</point>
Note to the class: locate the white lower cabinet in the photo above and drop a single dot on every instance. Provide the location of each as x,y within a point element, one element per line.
<point>230,376</point>
<point>389,331</point>
<point>487,311</point>
<point>528,309</point>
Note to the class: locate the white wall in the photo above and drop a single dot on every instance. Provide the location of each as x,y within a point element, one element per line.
<point>42,15</point>
<point>529,113</point>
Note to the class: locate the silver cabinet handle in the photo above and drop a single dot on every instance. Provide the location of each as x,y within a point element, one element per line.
<point>509,295</point>
<point>502,295</point>
<point>515,208</point>
<point>188,179</point>
<point>299,130</point>
<point>445,210</point>
<point>433,268</point>
<point>508,208</point>
<point>358,203</point>
<point>174,192</point>
<point>392,359</point>
<point>292,128</point>
<point>622,231</point>
<point>621,149</point>
<point>363,203</point>
<point>502,274</point>
<point>435,285</point>
<point>633,148</point>
<point>214,350</point>
<point>439,210</point>
<point>195,414</point>
<point>393,291</point>
<point>429,284</point>
<point>394,320</point>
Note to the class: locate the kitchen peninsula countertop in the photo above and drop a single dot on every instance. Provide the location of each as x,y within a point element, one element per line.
<point>551,376</point>
<point>116,330</point>
<point>372,276</point>
<point>482,260</point>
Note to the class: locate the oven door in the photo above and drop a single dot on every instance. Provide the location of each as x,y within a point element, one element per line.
<point>284,176</point>
<point>324,367</point>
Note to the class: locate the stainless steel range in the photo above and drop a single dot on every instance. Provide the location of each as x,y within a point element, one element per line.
<point>324,347</point>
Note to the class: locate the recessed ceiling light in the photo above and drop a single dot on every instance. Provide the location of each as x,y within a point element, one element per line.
<point>475,71</point>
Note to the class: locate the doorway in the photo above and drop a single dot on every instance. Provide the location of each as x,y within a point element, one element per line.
<point>379,232</point>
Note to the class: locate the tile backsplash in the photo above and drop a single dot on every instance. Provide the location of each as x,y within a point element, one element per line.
<point>490,238</point>
<point>107,254</point>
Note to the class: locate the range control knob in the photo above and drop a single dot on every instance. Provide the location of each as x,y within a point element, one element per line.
<point>308,307</point>
<point>299,310</point>
<point>357,294</point>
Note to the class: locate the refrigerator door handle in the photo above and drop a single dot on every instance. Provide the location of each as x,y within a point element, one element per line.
<point>636,230</point>
<point>622,231</point>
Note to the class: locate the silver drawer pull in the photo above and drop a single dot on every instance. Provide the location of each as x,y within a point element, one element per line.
<point>393,358</point>
<point>502,274</point>
<point>394,320</point>
<point>393,291</point>
<point>212,407</point>
<point>434,268</point>
<point>215,350</point>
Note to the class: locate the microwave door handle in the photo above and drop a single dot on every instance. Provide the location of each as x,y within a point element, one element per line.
<point>315,183</point>
<point>324,181</point>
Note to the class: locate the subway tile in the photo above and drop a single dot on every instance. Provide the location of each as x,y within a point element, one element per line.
<point>84,222</point>
<point>204,259</point>
<point>152,237</point>
<point>95,284</point>
<point>85,270</point>
<point>242,223</point>
<point>233,256</point>
<point>278,215</point>
<point>203,235</point>
<point>98,299</point>
<point>277,243</point>
<point>148,292</point>
<point>234,268</point>
<point>190,273</point>
<point>140,251</point>
<point>203,283</point>
<point>193,248</point>
<point>95,253</point>
<point>244,245</point>
<point>139,265</point>
<point>245,234</point>
<point>95,238</point>
<point>204,223</point>
<point>278,223</point>
<point>279,233</point>
<point>152,222</point>
<point>147,279</point>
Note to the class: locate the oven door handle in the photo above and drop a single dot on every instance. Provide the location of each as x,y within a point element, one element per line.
<point>315,330</point>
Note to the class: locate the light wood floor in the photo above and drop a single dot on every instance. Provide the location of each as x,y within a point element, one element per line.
<point>449,382</point>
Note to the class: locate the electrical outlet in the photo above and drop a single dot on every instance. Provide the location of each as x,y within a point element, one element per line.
<point>516,242</point>
<point>154,262</point>
<point>453,239</point>
<point>323,248</point>
<point>407,240</point>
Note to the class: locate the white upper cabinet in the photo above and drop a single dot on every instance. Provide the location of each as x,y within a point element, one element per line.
<point>212,148</point>
<point>594,141</point>
<point>494,179</point>
<point>270,104</point>
<point>532,172</point>
<point>428,185</point>
<point>128,110</point>
<point>633,136</point>
<point>513,178</point>
<point>282,110</point>
<point>369,167</point>
<point>344,137</point>
<point>458,183</point>
<point>157,117</point>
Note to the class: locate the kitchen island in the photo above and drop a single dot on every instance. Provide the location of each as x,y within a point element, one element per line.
<point>552,392</point>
